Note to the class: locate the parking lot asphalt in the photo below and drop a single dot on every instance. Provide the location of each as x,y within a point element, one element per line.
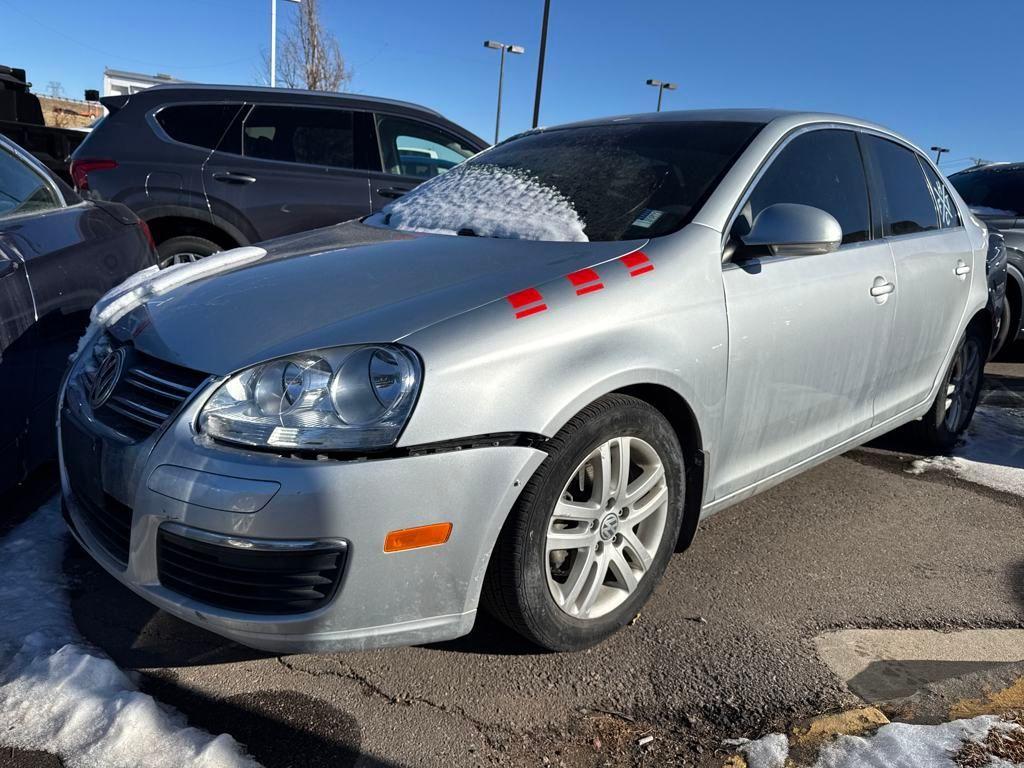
<point>725,648</point>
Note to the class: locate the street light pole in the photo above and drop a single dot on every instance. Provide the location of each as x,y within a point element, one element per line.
<point>273,41</point>
<point>540,62</point>
<point>503,47</point>
<point>938,153</point>
<point>662,87</point>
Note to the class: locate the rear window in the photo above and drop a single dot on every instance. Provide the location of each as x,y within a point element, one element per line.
<point>201,125</point>
<point>597,183</point>
<point>992,192</point>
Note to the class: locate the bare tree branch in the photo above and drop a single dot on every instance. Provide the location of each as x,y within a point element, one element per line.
<point>310,56</point>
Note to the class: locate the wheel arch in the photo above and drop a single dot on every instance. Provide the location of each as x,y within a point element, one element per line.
<point>674,407</point>
<point>1015,291</point>
<point>166,222</point>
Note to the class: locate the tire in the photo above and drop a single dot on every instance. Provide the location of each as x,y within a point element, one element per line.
<point>185,248</point>
<point>1005,323</point>
<point>954,406</point>
<point>541,590</point>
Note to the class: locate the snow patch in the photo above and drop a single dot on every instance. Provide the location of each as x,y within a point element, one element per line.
<point>769,751</point>
<point>58,694</point>
<point>991,454</point>
<point>896,745</point>
<point>900,745</point>
<point>490,200</point>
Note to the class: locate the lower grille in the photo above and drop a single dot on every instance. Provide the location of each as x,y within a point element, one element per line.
<point>110,522</point>
<point>250,580</point>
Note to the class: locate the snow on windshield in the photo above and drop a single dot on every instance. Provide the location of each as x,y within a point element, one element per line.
<point>492,202</point>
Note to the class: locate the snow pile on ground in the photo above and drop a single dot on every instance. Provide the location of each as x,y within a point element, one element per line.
<point>897,745</point>
<point>491,201</point>
<point>992,453</point>
<point>59,695</point>
<point>769,751</point>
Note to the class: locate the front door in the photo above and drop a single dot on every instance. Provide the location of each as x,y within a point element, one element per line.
<point>934,263</point>
<point>807,334</point>
<point>289,169</point>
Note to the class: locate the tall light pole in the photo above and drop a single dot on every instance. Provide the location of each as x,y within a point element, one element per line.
<point>273,40</point>
<point>662,87</point>
<point>938,153</point>
<point>540,62</point>
<point>501,74</point>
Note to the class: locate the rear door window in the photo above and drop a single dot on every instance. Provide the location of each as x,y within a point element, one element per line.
<point>945,208</point>
<point>907,204</point>
<point>822,169</point>
<point>201,125</point>
<point>301,135</point>
<point>412,148</point>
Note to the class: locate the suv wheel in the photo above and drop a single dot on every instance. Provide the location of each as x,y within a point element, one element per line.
<point>593,529</point>
<point>184,249</point>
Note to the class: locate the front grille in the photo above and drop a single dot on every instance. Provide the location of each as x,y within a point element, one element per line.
<point>149,393</point>
<point>249,580</point>
<point>110,522</point>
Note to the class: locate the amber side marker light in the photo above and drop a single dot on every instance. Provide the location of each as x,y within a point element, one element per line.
<point>414,538</point>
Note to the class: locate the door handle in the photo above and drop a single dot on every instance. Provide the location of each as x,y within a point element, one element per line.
<point>229,177</point>
<point>962,270</point>
<point>393,192</point>
<point>882,287</point>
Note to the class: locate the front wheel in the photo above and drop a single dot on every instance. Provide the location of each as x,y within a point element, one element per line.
<point>593,529</point>
<point>958,396</point>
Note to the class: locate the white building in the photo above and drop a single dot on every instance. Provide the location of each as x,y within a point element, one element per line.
<point>118,83</point>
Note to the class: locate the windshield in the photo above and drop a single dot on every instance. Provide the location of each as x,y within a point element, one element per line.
<point>992,192</point>
<point>597,183</point>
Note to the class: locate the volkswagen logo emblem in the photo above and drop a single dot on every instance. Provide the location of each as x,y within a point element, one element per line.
<point>609,527</point>
<point>107,376</point>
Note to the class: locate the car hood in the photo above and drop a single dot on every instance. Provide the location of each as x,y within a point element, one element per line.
<point>346,284</point>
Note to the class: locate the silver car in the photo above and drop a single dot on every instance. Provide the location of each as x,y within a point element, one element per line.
<point>523,384</point>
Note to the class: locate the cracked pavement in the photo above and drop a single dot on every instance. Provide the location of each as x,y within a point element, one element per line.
<point>725,648</point>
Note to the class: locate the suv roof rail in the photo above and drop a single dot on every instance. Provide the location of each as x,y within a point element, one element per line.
<point>291,92</point>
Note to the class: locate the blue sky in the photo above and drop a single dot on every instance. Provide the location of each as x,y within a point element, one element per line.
<point>939,71</point>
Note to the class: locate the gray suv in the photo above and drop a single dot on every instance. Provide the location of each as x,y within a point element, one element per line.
<point>213,167</point>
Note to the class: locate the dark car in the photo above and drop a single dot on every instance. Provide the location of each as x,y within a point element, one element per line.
<point>58,255</point>
<point>995,194</point>
<point>214,167</point>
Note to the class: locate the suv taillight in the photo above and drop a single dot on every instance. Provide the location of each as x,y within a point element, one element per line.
<point>80,170</point>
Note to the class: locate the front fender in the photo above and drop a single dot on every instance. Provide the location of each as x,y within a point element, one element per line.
<point>488,371</point>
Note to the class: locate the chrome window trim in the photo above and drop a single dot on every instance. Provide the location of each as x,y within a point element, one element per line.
<point>253,544</point>
<point>36,167</point>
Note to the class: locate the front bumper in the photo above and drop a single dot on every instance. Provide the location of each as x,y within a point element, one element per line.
<point>178,480</point>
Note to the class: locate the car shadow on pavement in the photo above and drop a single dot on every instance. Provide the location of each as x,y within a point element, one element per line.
<point>888,679</point>
<point>21,501</point>
<point>280,728</point>
<point>489,637</point>
<point>134,633</point>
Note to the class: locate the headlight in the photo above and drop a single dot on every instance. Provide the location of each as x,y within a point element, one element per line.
<point>343,399</point>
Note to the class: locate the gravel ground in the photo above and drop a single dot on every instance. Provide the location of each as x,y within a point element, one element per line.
<point>724,648</point>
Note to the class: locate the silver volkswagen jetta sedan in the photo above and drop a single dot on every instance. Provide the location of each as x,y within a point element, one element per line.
<point>524,383</point>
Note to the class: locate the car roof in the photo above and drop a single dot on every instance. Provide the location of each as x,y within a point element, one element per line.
<point>286,94</point>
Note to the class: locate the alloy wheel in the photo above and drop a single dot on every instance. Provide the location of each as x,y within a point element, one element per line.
<point>605,529</point>
<point>962,386</point>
